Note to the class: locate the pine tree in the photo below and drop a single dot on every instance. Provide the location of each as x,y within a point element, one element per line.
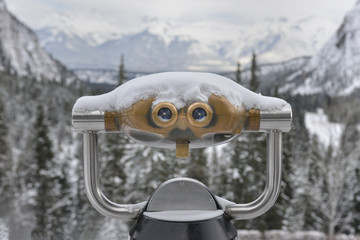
<point>220,177</point>
<point>350,154</point>
<point>237,167</point>
<point>257,177</point>
<point>312,216</point>
<point>197,167</point>
<point>60,213</point>
<point>122,76</point>
<point>84,213</point>
<point>314,160</point>
<point>296,151</point>
<point>356,208</point>
<point>50,182</point>
<point>248,164</point>
<point>278,216</point>
<point>113,174</point>
<point>164,166</point>
<point>238,174</point>
<point>43,156</point>
<point>238,73</point>
<point>5,156</point>
<point>254,82</point>
<point>276,91</point>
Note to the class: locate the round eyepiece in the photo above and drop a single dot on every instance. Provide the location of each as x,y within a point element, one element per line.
<point>164,114</point>
<point>199,114</point>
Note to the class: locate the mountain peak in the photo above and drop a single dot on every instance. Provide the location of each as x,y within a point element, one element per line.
<point>2,5</point>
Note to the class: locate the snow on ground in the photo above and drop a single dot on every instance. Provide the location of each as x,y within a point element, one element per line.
<point>284,235</point>
<point>328,132</point>
<point>113,229</point>
<point>179,88</point>
<point>4,230</point>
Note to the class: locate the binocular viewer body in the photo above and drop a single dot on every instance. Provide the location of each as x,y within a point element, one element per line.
<point>182,111</point>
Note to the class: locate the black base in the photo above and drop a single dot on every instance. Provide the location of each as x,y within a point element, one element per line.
<point>219,228</point>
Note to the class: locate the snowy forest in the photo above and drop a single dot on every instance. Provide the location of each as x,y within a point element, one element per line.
<point>42,193</point>
<point>42,190</point>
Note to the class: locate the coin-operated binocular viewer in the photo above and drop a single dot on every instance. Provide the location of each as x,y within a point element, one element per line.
<point>182,111</point>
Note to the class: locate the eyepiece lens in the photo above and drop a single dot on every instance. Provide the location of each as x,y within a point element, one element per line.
<point>164,114</point>
<point>199,114</point>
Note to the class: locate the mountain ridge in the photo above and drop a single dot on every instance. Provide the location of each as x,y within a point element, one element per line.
<point>335,69</point>
<point>181,48</point>
<point>21,53</point>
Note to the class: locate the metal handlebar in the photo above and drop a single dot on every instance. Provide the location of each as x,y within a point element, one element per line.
<point>95,195</point>
<point>130,211</point>
<point>272,187</point>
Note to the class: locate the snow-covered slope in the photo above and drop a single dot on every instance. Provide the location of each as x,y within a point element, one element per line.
<point>21,53</point>
<point>328,133</point>
<point>159,46</point>
<point>335,69</point>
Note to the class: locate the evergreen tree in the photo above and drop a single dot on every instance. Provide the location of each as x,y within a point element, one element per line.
<point>164,166</point>
<point>356,208</point>
<point>43,156</point>
<point>257,176</point>
<point>248,164</point>
<point>276,91</point>
<point>312,215</point>
<point>5,156</point>
<point>50,182</point>
<point>314,160</point>
<point>113,174</point>
<point>296,152</point>
<point>278,216</point>
<point>197,167</point>
<point>122,76</point>
<point>220,174</point>
<point>254,81</point>
<point>149,167</point>
<point>238,73</point>
<point>84,214</point>
<point>60,212</point>
<point>237,166</point>
<point>350,153</point>
<point>238,174</point>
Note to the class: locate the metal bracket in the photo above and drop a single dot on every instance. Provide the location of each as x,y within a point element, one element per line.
<point>96,197</point>
<point>272,187</point>
<point>130,211</point>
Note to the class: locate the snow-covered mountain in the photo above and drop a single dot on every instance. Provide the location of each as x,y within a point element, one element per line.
<point>160,46</point>
<point>335,69</point>
<point>21,53</point>
<point>276,40</point>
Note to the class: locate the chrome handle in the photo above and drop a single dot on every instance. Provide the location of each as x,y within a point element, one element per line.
<point>96,197</point>
<point>130,211</point>
<point>272,187</point>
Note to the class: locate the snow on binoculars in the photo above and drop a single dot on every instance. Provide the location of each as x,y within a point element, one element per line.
<point>182,111</point>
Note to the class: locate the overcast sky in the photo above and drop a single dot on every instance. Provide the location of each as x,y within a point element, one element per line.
<point>132,12</point>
